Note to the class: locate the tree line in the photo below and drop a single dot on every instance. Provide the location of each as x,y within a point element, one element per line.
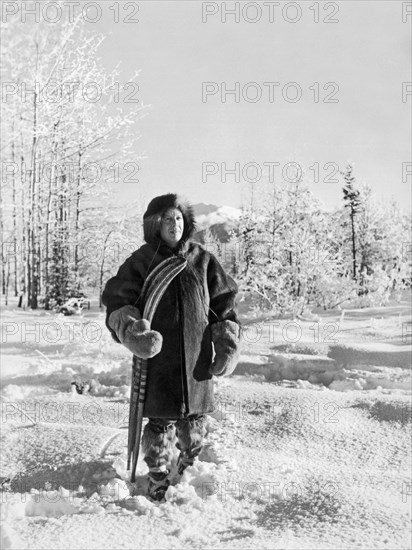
<point>66,137</point>
<point>288,253</point>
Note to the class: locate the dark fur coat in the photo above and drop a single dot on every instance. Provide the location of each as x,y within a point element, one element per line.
<point>179,383</point>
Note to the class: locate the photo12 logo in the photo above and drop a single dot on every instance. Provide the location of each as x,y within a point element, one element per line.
<point>267,491</point>
<point>270,12</point>
<point>269,92</point>
<point>90,172</point>
<point>406,11</point>
<point>52,333</point>
<point>54,12</point>
<point>269,171</point>
<point>406,91</point>
<point>70,92</point>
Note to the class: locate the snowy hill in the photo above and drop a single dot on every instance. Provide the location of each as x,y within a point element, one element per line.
<point>202,209</point>
<point>219,219</point>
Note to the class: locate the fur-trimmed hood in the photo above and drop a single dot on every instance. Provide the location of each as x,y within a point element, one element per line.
<point>154,212</point>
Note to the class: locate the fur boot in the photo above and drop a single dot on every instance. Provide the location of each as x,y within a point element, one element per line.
<point>190,434</point>
<point>157,444</point>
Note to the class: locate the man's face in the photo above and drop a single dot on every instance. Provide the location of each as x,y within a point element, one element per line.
<point>171,227</point>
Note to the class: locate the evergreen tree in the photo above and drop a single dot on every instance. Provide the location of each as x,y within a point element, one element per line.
<point>351,200</point>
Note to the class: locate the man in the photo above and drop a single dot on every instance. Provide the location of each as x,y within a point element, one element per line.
<point>195,317</point>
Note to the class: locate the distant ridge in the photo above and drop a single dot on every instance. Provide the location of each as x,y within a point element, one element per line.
<point>220,220</point>
<point>202,209</point>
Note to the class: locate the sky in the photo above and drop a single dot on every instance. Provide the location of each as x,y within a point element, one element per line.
<point>188,138</point>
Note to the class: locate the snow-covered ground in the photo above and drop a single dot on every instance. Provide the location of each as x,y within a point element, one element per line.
<point>308,447</point>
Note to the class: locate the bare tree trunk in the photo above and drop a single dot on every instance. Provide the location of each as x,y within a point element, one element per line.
<point>352,217</point>
<point>4,249</point>
<point>32,255</point>
<point>24,251</point>
<point>77,220</point>
<point>39,225</point>
<point>15,252</point>
<point>6,298</point>
<point>50,193</point>
<point>102,268</point>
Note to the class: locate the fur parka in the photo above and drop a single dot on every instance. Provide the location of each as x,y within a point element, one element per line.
<point>179,381</point>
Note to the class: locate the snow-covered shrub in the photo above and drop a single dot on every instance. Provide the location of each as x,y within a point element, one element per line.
<point>288,254</point>
<point>72,306</point>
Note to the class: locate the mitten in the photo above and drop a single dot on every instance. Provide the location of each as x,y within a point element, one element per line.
<point>225,338</point>
<point>134,332</point>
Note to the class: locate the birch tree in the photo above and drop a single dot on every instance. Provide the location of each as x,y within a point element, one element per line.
<point>68,139</point>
